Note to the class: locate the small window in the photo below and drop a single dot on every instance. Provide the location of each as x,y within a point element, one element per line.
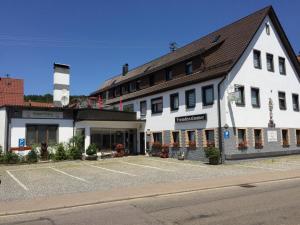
<point>208,95</point>
<point>125,89</point>
<point>210,138</point>
<point>190,98</point>
<point>282,65</point>
<point>258,141</point>
<point>295,102</point>
<point>117,91</point>
<point>267,29</point>
<point>189,68</point>
<point>132,86</point>
<point>157,137</point>
<point>242,140</point>
<point>240,95</point>
<point>143,108</point>
<point>151,80</point>
<point>270,62</point>
<point>157,105</point>
<point>285,138</point>
<point>255,101</point>
<point>298,137</point>
<point>176,141</point>
<point>128,108</point>
<point>169,74</point>
<point>256,59</point>
<point>174,101</point>
<point>282,101</point>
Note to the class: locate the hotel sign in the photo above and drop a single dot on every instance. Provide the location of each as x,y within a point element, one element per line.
<point>190,118</point>
<point>42,114</point>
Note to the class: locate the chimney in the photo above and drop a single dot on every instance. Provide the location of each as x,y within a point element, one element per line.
<point>125,69</point>
<point>61,81</point>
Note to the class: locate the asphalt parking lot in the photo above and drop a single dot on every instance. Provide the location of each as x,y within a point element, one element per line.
<point>48,179</point>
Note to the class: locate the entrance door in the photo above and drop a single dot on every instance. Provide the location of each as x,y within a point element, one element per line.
<point>142,143</point>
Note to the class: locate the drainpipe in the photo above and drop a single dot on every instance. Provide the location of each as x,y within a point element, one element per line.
<point>220,122</point>
<point>7,129</point>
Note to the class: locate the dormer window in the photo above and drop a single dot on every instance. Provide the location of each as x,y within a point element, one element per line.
<point>169,74</point>
<point>132,86</point>
<point>189,68</point>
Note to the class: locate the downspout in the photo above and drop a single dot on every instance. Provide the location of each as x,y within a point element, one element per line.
<point>220,122</point>
<point>7,129</point>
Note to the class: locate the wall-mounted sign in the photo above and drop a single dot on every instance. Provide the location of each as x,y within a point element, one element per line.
<point>272,135</point>
<point>21,142</point>
<point>42,114</point>
<point>190,118</point>
<point>226,134</point>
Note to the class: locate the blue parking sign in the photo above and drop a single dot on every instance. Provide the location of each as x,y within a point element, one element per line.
<point>226,134</point>
<point>21,142</point>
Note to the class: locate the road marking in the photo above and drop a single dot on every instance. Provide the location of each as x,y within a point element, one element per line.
<point>150,167</point>
<point>185,164</point>
<point>24,169</point>
<point>67,174</point>
<point>259,167</point>
<point>16,179</point>
<point>110,170</point>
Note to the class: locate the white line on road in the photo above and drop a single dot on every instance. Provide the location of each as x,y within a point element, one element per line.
<point>259,167</point>
<point>150,167</point>
<point>19,182</point>
<point>185,164</point>
<point>25,169</point>
<point>67,174</point>
<point>110,170</point>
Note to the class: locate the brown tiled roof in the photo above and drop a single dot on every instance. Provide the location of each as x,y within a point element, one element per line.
<point>233,41</point>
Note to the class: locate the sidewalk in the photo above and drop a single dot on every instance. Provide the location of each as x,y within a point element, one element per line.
<point>82,199</point>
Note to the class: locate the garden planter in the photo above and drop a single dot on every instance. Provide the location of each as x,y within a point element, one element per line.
<point>91,157</point>
<point>214,160</point>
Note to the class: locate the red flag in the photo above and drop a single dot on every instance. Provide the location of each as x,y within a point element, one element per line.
<point>100,102</point>
<point>121,104</point>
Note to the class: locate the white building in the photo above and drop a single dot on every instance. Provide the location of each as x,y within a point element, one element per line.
<point>236,88</point>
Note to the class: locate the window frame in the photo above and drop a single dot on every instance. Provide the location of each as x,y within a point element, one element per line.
<point>157,133</point>
<point>36,131</point>
<point>188,65</point>
<point>259,59</point>
<point>285,107</point>
<point>271,57</point>
<point>167,74</point>
<point>258,145</point>
<point>236,87</point>
<point>143,102</point>
<point>287,144</point>
<point>206,132</point>
<point>295,95</point>
<point>162,108</point>
<point>188,106</point>
<point>258,97</point>
<point>171,101</point>
<point>282,60</point>
<point>204,100</point>
<point>297,133</point>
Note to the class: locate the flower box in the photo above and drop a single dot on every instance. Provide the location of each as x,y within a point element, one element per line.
<point>242,145</point>
<point>258,145</point>
<point>192,145</point>
<point>285,144</point>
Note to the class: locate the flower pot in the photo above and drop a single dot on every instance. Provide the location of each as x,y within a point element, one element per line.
<point>213,161</point>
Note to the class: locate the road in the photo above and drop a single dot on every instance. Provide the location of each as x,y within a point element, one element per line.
<point>271,203</point>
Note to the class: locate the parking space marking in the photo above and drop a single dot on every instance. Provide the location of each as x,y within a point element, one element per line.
<point>259,167</point>
<point>146,166</point>
<point>17,180</point>
<point>185,164</point>
<point>67,174</point>
<point>110,170</point>
<point>24,169</point>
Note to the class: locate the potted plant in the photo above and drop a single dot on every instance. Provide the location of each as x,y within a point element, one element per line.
<point>120,150</point>
<point>192,145</point>
<point>164,151</point>
<point>258,145</point>
<point>180,155</point>
<point>91,152</point>
<point>285,144</point>
<point>156,149</point>
<point>213,155</point>
<point>175,145</point>
<point>242,145</point>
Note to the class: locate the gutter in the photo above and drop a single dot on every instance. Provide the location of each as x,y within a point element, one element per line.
<point>220,122</point>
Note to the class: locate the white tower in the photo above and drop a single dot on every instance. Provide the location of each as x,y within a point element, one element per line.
<point>61,80</point>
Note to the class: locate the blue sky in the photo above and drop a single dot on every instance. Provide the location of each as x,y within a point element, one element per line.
<point>97,37</point>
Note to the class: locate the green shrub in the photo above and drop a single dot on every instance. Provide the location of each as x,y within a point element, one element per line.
<point>74,153</point>
<point>78,142</point>
<point>60,153</point>
<point>92,149</point>
<point>11,158</point>
<point>213,154</point>
<point>32,156</point>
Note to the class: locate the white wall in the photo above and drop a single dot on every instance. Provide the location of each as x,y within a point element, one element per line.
<point>3,120</point>
<point>269,84</point>
<point>166,119</point>
<point>18,129</point>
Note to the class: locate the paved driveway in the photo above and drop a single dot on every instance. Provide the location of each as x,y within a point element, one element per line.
<point>48,179</point>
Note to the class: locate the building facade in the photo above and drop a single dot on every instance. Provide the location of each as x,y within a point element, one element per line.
<point>236,89</point>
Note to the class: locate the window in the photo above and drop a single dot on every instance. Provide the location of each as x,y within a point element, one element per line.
<point>282,65</point>
<point>270,62</point>
<point>151,80</point>
<point>210,138</point>
<point>189,68</point>
<point>298,137</point>
<point>175,136</point>
<point>143,108</point>
<point>285,138</point>
<point>267,29</point>
<point>174,101</point>
<point>128,108</point>
<point>240,100</point>
<point>242,140</point>
<point>208,95</point>
<point>132,86</point>
<point>157,137</point>
<point>191,135</point>
<point>258,142</point>
<point>169,74</point>
<point>190,98</point>
<point>157,105</point>
<point>255,101</point>
<point>282,102</point>
<point>295,102</point>
<point>36,134</point>
<point>256,59</point>
<point>117,91</point>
